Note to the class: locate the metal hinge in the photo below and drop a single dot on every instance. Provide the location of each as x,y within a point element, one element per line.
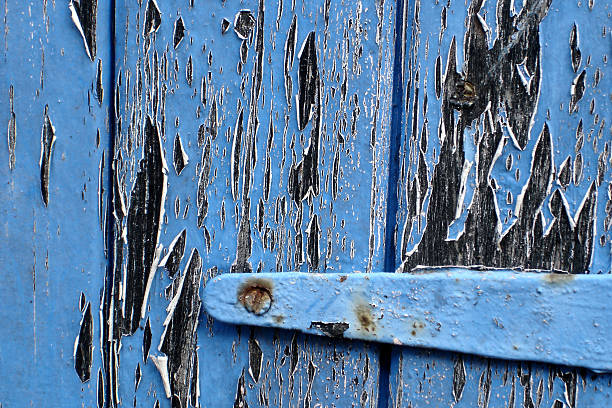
<point>548,317</point>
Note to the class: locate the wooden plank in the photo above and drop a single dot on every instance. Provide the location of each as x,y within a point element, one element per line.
<point>261,130</point>
<point>505,163</point>
<point>54,120</point>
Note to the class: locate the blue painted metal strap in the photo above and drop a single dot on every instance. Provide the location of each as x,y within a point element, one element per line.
<point>547,317</point>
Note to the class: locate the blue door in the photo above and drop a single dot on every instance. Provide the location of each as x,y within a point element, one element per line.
<point>154,146</point>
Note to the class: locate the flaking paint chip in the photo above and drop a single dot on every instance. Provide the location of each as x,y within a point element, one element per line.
<point>47,140</point>
<point>152,18</point>
<point>179,32</point>
<point>84,15</point>
<point>308,77</point>
<point>12,131</point>
<point>244,22</point>
<point>225,25</point>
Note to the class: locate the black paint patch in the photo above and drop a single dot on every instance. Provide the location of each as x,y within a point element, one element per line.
<point>304,176</point>
<point>244,239</point>
<point>461,93</point>
<point>308,78</point>
<point>295,357</point>
<point>290,44</point>
<point>225,25</point>
<point>203,97</point>
<point>189,71</point>
<point>204,180</point>
<point>244,23</point>
<point>244,51</point>
<point>268,167</point>
<point>99,84</point>
<point>12,130</point>
<point>137,377</point>
<point>201,135</point>
<point>173,258</point>
<point>178,341</point>
<point>577,91</point>
<point>313,233</point>
<point>100,385</point>
<point>240,399</point>
<point>101,190</point>
<point>438,76</point>
<point>143,225</point>
<point>255,358</point>
<point>179,32</point>
<point>575,53</point>
<point>84,16</point>
<point>47,140</point>
<point>311,371</point>
<point>484,387</point>
<point>213,120</point>
<point>330,329</point>
<point>195,381</point>
<point>111,316</point>
<point>564,176</point>
<point>516,243</point>
<point>459,378</point>
<point>146,341</point>
<point>584,232</point>
<point>570,379</point>
<point>152,18</point>
<point>555,243</point>
<point>119,210</point>
<point>259,223</point>
<point>236,149</point>
<point>82,302</point>
<point>515,58</point>
<point>179,157</point>
<point>602,165</point>
<point>83,347</point>
<point>526,380</point>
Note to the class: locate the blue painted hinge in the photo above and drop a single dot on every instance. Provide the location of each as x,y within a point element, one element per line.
<point>547,317</point>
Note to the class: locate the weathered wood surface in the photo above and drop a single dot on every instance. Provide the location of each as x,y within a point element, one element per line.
<point>256,136</point>
<point>52,202</point>
<point>505,162</point>
<point>264,127</point>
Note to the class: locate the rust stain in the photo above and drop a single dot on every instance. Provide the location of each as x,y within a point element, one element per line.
<point>256,295</point>
<point>417,327</point>
<point>555,278</point>
<point>363,312</point>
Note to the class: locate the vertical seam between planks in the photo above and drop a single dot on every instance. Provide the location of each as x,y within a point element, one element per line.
<point>392,191</point>
<point>109,226</point>
<point>394,144</point>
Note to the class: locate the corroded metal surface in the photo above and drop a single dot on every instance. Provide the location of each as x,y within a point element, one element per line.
<point>494,313</point>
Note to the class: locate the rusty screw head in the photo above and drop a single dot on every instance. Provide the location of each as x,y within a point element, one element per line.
<point>256,300</point>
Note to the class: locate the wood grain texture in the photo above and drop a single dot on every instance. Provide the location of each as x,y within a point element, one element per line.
<point>152,147</point>
<point>505,162</point>
<point>53,173</point>
<point>273,120</point>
